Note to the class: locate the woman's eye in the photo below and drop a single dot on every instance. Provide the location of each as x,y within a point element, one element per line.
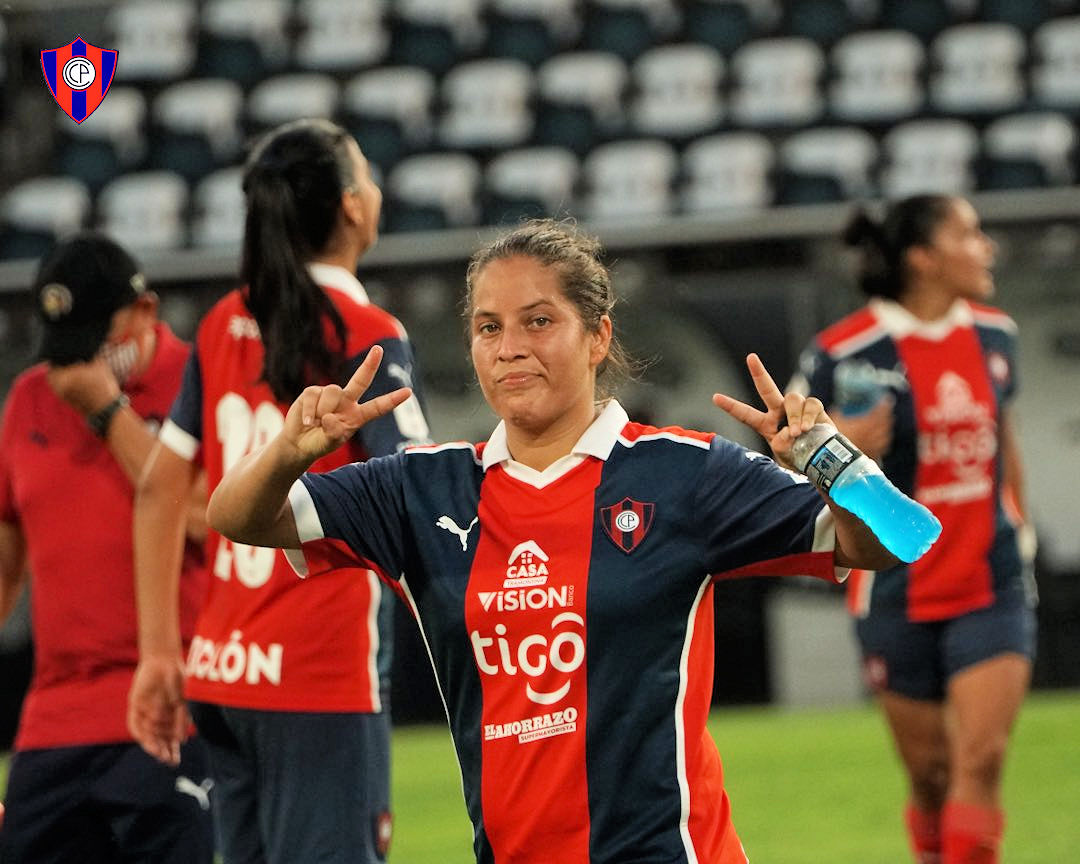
<point>486,328</point>
<point>541,321</point>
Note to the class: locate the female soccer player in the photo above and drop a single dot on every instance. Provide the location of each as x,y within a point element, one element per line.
<point>283,678</point>
<point>948,641</point>
<point>561,572</point>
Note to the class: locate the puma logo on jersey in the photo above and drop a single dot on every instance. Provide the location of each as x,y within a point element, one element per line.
<point>450,525</point>
<point>199,791</point>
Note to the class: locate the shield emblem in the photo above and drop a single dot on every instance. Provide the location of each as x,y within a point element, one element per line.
<point>627,522</point>
<point>79,75</point>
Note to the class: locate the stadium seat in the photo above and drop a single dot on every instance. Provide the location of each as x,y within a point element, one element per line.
<point>628,27</point>
<point>245,40</point>
<point>291,97</point>
<point>145,211</point>
<point>341,35</point>
<point>155,39</point>
<point>1028,150</point>
<point>829,164</point>
<point>219,209</point>
<point>433,191</point>
<point>1026,15</point>
<point>532,30</point>
<point>530,182</point>
<point>728,24</point>
<point>1055,78</point>
<point>198,126</point>
<point>436,34</point>
<point>923,18</point>
<point>929,156</point>
<point>487,105</point>
<point>776,82</point>
<point>580,99</point>
<point>823,21</point>
<point>109,142</point>
<point>727,174</point>
<point>678,91</point>
<point>629,181</point>
<point>389,112</point>
<point>978,69</point>
<point>877,77</point>
<point>35,213</point>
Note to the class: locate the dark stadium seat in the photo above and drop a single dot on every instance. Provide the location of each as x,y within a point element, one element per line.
<point>824,21</point>
<point>677,91</point>
<point>924,18</point>
<point>38,211</point>
<point>197,126</point>
<point>532,182</point>
<point>580,99</point>
<point>389,110</point>
<point>436,34</point>
<point>727,24</point>
<point>629,180</point>
<point>109,142</point>
<point>827,164</point>
<point>532,30</point>
<point>1026,15</point>
<point>628,27</point>
<point>432,191</point>
<point>243,40</point>
<point>1029,150</point>
<point>341,35</point>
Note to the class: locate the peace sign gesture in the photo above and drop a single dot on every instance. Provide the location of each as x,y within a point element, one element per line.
<point>786,417</point>
<point>324,417</point>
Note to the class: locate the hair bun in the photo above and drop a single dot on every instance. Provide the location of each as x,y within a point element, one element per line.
<point>863,230</point>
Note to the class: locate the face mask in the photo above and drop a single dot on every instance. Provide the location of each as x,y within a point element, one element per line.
<point>121,358</point>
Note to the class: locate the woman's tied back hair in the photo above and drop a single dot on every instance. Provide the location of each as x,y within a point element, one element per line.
<point>884,243</point>
<point>586,282</point>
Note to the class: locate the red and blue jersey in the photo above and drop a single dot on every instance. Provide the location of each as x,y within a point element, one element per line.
<point>68,496</point>
<point>263,640</point>
<point>569,618</point>
<point>951,380</point>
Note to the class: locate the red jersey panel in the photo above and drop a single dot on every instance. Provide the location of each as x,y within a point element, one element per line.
<point>263,639</point>
<point>73,503</point>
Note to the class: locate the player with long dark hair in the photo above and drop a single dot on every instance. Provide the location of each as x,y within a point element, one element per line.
<point>286,681</point>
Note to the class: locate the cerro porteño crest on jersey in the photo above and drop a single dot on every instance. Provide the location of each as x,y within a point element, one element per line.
<point>79,75</point>
<point>627,522</point>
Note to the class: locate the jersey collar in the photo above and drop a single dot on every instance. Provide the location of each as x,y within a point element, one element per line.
<point>598,440</point>
<point>899,323</point>
<point>340,279</point>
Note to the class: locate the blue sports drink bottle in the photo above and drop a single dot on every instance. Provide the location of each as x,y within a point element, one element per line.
<point>855,482</point>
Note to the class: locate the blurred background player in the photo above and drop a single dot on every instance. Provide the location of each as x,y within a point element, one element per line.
<point>561,572</point>
<point>921,378</point>
<point>77,431</point>
<point>283,676</point>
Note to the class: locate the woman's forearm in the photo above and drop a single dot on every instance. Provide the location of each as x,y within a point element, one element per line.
<point>250,504</point>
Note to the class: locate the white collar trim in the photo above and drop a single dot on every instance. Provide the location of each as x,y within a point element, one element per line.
<point>898,322</point>
<point>340,279</point>
<point>598,440</point>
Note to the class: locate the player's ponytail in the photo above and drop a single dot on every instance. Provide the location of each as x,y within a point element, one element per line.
<point>884,244</point>
<point>293,182</point>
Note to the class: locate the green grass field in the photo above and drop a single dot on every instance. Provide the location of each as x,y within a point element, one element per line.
<point>807,787</point>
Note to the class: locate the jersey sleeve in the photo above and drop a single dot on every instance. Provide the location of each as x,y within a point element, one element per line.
<point>815,374</point>
<point>353,516</point>
<point>182,430</point>
<point>760,519</point>
<point>407,425</point>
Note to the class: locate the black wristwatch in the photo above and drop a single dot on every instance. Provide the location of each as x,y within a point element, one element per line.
<point>99,421</point>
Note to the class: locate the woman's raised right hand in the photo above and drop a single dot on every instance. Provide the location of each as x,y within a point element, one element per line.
<point>324,417</point>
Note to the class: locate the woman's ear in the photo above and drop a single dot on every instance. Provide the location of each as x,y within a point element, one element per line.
<point>920,260</point>
<point>601,341</point>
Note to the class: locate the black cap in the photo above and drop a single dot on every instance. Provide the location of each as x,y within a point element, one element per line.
<point>79,286</point>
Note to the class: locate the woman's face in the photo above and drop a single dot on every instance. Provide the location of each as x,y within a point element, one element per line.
<point>960,255</point>
<point>368,196</point>
<point>534,359</point>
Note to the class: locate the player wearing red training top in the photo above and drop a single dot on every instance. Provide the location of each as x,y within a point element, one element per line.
<point>561,572</point>
<point>77,430</point>
<point>947,641</point>
<point>278,670</point>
